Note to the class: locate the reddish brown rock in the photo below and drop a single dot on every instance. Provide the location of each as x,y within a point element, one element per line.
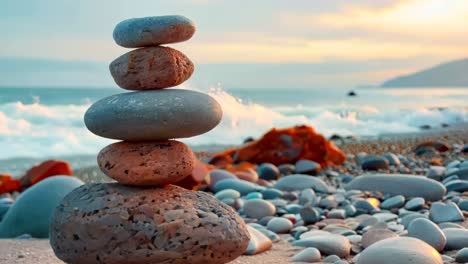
<point>151,68</point>
<point>281,146</point>
<point>147,163</point>
<point>8,184</point>
<point>43,170</point>
<point>112,223</point>
<point>199,175</point>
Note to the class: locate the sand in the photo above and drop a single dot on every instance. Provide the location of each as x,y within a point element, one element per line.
<point>34,251</point>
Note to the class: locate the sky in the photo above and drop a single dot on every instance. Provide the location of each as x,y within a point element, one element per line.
<point>238,44</point>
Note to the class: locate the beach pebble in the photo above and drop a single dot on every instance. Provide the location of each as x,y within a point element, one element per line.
<point>436,173</point>
<point>407,219</point>
<point>307,255</point>
<point>258,242</point>
<point>272,193</point>
<point>247,175</point>
<point>398,184</point>
<point>461,173</point>
<point>153,115</point>
<point>308,196</point>
<point>428,232</point>
<point>227,194</point>
<point>456,238</point>
<point>331,259</point>
<point>327,244</point>
<point>457,186</point>
<point>268,171</point>
<point>441,212</point>
<point>112,223</point>
<point>151,68</point>
<point>307,167</point>
<point>300,182</point>
<point>286,169</point>
<point>33,209</point>
<point>218,175</point>
<point>415,204</point>
<point>463,205</point>
<point>309,215</point>
<point>392,159</point>
<point>393,202</point>
<point>462,255</point>
<point>147,163</point>
<point>254,195</point>
<point>374,235</point>
<point>401,250</point>
<point>280,225</point>
<point>374,163</point>
<point>243,187</point>
<point>258,208</point>
<point>153,31</point>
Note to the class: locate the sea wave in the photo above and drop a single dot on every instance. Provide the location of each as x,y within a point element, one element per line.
<point>38,130</point>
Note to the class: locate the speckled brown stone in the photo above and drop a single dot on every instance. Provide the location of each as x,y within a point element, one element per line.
<point>112,223</point>
<point>151,68</point>
<point>147,163</point>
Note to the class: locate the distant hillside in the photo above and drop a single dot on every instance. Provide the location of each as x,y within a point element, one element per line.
<point>450,74</point>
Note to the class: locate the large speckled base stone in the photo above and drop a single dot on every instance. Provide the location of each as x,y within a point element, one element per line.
<point>153,115</point>
<point>151,68</point>
<point>153,31</point>
<point>147,163</point>
<point>112,223</point>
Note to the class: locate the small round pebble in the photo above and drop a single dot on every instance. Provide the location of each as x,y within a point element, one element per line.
<point>280,225</point>
<point>307,255</point>
<point>258,208</point>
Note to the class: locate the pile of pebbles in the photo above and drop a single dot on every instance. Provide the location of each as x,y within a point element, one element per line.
<point>385,208</point>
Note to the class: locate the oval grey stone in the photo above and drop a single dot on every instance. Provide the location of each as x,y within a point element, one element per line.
<point>153,31</point>
<point>327,244</point>
<point>428,232</point>
<point>457,238</point>
<point>300,182</point>
<point>153,115</point>
<point>401,250</point>
<point>397,184</point>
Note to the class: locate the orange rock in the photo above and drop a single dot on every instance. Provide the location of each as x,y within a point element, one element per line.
<point>280,146</point>
<point>199,175</point>
<point>8,184</point>
<point>43,170</point>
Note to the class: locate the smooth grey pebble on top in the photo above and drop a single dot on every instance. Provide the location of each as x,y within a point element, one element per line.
<point>153,31</point>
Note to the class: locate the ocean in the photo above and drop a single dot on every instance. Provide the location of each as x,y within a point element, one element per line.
<point>48,122</point>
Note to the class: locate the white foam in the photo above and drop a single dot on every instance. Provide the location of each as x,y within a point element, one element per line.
<point>37,130</point>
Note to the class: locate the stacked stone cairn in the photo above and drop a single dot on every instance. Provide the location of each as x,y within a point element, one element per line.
<point>144,218</point>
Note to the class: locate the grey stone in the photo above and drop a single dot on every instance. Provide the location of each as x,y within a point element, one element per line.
<point>279,225</point>
<point>308,196</point>
<point>462,254</point>
<point>33,209</point>
<point>428,232</point>
<point>415,204</point>
<point>392,159</point>
<point>457,186</point>
<point>153,115</point>
<point>307,167</point>
<point>258,208</point>
<point>397,184</point>
<point>401,250</point>
<point>407,219</point>
<point>374,163</point>
<point>310,215</point>
<point>300,182</point>
<point>243,187</point>
<point>327,244</point>
<point>436,173</point>
<point>227,193</point>
<point>272,193</point>
<point>268,171</point>
<point>449,212</point>
<point>456,238</point>
<point>374,235</point>
<point>153,31</point>
<point>307,255</point>
<point>393,202</point>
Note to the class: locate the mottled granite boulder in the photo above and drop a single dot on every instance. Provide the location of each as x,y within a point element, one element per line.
<point>151,68</point>
<point>153,115</point>
<point>153,31</point>
<point>111,223</point>
<point>154,163</point>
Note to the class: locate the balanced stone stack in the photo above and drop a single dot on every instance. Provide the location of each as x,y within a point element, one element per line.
<point>144,218</point>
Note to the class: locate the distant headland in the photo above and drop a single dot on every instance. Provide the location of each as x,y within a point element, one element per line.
<point>449,74</point>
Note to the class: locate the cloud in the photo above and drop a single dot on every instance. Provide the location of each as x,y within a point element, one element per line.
<point>434,18</point>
